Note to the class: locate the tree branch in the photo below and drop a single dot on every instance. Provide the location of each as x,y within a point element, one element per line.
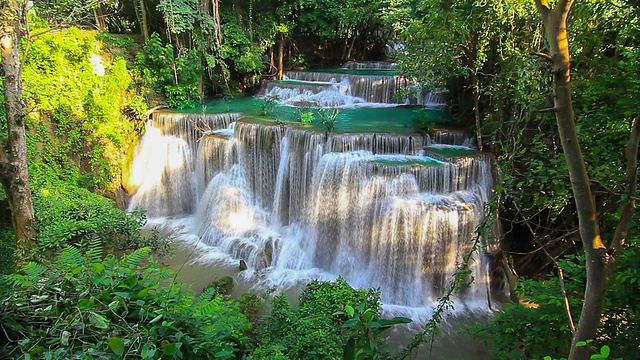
<point>563,288</point>
<point>631,180</point>
<point>543,8</point>
<point>542,55</point>
<point>551,109</point>
<point>564,5</point>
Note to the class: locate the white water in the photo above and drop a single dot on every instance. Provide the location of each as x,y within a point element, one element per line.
<point>297,205</point>
<point>348,91</point>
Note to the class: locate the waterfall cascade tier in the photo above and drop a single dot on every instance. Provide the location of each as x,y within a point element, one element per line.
<point>297,204</point>
<point>323,89</point>
<point>381,65</point>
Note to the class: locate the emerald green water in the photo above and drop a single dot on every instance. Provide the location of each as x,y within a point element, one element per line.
<point>398,119</point>
<point>301,82</point>
<point>400,160</point>
<point>452,150</point>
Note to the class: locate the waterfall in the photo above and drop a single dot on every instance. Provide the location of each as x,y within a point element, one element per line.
<point>162,171</point>
<point>381,65</point>
<point>348,90</point>
<point>295,204</point>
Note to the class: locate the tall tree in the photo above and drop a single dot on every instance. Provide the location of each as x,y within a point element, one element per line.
<point>13,152</point>
<point>599,257</point>
<point>14,174</point>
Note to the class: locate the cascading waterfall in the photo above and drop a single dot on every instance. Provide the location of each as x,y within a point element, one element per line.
<point>295,204</point>
<point>347,90</point>
<point>381,65</point>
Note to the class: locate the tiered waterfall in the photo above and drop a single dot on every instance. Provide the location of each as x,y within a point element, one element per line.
<point>379,209</point>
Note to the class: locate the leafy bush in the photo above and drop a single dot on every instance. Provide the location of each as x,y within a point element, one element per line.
<point>328,117</point>
<point>365,340</point>
<point>83,306</point>
<point>76,92</point>
<point>176,76</point>
<point>7,249</point>
<point>539,326</point>
<point>68,214</point>
<point>314,328</point>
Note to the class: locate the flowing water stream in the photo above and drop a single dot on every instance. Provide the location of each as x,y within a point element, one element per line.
<point>371,201</point>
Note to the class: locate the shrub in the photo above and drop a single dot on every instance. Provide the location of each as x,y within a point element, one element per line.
<point>68,214</point>
<point>84,306</point>
<point>314,328</point>
<point>539,326</point>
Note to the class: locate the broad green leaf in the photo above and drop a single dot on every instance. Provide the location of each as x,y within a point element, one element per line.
<point>350,323</point>
<point>171,348</point>
<point>123,294</point>
<point>117,345</point>
<point>349,310</point>
<point>395,321</point>
<point>98,321</point>
<point>223,353</point>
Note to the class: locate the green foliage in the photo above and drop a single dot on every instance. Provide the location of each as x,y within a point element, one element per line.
<point>328,117</point>
<point>314,328</point>
<point>7,249</point>
<point>621,330</point>
<point>539,326</point>
<point>221,287</point>
<point>75,94</point>
<point>267,105</point>
<point>68,214</point>
<point>179,15</point>
<point>176,76</point>
<point>83,306</point>
<point>305,115</point>
<point>365,340</point>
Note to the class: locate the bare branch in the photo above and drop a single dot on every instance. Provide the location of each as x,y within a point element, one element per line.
<point>542,55</point>
<point>631,180</point>
<point>560,278</point>
<point>551,109</point>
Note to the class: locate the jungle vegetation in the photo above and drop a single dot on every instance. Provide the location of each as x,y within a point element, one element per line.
<point>551,88</point>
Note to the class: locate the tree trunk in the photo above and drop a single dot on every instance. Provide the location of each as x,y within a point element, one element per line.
<point>476,109</point>
<point>13,152</point>
<point>280,55</point>
<point>555,25</point>
<point>98,14</point>
<point>141,14</point>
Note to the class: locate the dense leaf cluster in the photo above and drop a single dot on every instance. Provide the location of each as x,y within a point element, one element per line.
<point>539,325</point>
<point>83,306</point>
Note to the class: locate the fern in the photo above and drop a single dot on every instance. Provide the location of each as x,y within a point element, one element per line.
<point>94,250</point>
<point>207,295</point>
<point>207,308</point>
<point>32,273</point>
<point>70,257</point>
<point>132,260</point>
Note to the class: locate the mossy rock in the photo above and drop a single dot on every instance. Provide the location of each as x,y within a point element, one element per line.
<point>223,286</point>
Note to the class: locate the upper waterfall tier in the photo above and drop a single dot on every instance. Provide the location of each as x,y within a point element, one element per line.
<point>329,89</point>
<point>379,65</point>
